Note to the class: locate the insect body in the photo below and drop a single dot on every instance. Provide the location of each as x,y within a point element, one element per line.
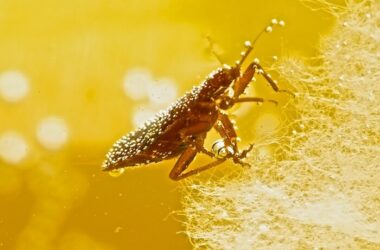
<point>180,131</point>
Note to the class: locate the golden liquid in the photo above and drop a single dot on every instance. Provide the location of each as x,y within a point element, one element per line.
<point>75,55</point>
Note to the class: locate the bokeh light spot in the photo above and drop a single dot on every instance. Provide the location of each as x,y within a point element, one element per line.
<point>14,86</point>
<point>52,133</point>
<point>163,92</point>
<point>141,115</point>
<point>13,147</point>
<point>136,83</point>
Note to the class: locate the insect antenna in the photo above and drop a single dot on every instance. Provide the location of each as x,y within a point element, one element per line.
<point>249,45</point>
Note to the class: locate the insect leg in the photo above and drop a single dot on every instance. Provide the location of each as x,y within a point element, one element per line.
<point>225,128</point>
<point>195,129</point>
<point>227,131</point>
<point>242,82</point>
<point>177,173</point>
<point>269,79</point>
<point>254,99</point>
<point>184,161</point>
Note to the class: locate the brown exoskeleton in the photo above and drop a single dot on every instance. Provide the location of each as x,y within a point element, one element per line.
<point>182,128</point>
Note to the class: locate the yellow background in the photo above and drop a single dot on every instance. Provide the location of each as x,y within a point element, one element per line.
<point>75,55</point>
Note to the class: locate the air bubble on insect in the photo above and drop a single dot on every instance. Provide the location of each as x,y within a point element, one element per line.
<point>247,44</point>
<point>260,71</point>
<point>242,53</point>
<point>116,172</point>
<point>237,62</point>
<point>14,86</point>
<point>269,29</point>
<point>52,132</point>
<point>269,75</point>
<point>281,23</point>
<point>220,150</point>
<point>256,60</point>
<point>253,79</point>
<point>275,58</point>
<point>136,83</point>
<point>13,147</point>
<point>274,21</point>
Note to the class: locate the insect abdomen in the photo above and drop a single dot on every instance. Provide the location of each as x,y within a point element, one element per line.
<point>136,147</point>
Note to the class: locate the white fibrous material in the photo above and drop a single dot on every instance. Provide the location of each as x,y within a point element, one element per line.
<point>321,187</point>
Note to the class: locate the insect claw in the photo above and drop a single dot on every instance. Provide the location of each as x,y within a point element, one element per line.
<point>241,163</point>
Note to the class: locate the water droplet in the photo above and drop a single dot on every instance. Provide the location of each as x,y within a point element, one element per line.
<point>247,44</point>
<point>269,29</point>
<point>281,23</point>
<point>116,172</point>
<point>275,58</point>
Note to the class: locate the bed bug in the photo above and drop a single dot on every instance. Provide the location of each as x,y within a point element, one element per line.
<point>180,131</point>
